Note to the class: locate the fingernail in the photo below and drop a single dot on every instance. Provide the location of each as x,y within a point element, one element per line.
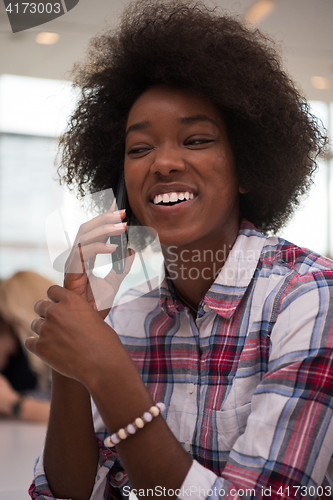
<point>111,245</point>
<point>119,226</point>
<point>119,212</point>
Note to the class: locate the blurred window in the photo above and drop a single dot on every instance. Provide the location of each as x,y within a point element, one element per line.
<point>312,224</point>
<point>28,193</point>
<point>33,113</point>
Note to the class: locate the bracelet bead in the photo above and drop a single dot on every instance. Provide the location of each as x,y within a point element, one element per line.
<point>147,416</point>
<point>109,443</point>
<point>115,439</point>
<point>155,411</point>
<point>139,423</point>
<point>122,434</point>
<point>161,406</point>
<point>131,428</point>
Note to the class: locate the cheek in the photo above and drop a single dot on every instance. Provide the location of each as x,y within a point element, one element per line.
<point>225,171</point>
<point>224,179</point>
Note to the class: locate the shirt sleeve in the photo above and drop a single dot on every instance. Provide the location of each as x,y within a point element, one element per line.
<point>287,446</point>
<point>40,489</point>
<point>110,476</point>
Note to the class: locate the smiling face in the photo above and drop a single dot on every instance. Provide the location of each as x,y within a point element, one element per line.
<point>179,169</point>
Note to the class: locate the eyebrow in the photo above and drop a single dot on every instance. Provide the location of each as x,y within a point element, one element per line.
<point>186,119</point>
<point>198,118</point>
<point>137,126</point>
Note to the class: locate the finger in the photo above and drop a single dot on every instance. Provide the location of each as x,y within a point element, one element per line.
<point>75,262</point>
<point>77,258</point>
<point>37,324</point>
<point>30,344</point>
<point>82,258</point>
<point>57,293</point>
<point>109,217</point>
<point>102,233</point>
<point>41,307</point>
<point>105,290</point>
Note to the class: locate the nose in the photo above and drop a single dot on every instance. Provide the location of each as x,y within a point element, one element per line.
<point>167,160</point>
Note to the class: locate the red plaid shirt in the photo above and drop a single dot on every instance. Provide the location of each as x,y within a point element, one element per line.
<point>248,385</point>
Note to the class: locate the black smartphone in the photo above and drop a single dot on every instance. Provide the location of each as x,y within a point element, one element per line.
<point>119,255</point>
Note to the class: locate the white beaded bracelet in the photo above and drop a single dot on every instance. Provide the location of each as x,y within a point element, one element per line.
<point>138,423</point>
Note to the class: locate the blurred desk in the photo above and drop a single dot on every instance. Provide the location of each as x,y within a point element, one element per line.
<point>20,445</point>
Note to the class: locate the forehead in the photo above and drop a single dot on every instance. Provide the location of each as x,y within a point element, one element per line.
<point>162,100</point>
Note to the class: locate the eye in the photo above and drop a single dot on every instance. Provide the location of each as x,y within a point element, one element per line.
<point>198,142</point>
<point>138,151</point>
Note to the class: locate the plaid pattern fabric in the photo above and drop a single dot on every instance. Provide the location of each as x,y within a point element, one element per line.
<point>248,385</point>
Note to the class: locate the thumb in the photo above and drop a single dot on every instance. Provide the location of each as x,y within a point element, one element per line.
<point>104,290</point>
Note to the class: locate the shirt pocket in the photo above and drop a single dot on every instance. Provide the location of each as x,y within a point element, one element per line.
<point>228,425</point>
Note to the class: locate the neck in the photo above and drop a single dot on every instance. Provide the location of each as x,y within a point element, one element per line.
<point>194,268</point>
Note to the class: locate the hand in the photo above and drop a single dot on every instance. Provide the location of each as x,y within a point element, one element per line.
<point>8,396</point>
<point>92,240</point>
<point>72,338</point>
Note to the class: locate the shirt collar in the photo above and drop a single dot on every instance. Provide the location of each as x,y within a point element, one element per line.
<point>168,297</point>
<point>231,283</point>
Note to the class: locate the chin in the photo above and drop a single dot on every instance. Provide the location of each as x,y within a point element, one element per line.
<point>175,240</point>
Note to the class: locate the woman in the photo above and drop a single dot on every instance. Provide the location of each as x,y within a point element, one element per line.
<point>24,380</point>
<point>213,140</point>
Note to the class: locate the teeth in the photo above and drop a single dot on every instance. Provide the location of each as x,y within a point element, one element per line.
<point>172,197</point>
<point>157,199</point>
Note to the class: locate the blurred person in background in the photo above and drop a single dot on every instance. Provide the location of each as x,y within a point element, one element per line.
<point>24,379</point>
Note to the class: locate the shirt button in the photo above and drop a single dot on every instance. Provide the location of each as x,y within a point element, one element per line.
<point>187,445</point>
<point>206,308</point>
<point>190,388</point>
<point>119,476</point>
